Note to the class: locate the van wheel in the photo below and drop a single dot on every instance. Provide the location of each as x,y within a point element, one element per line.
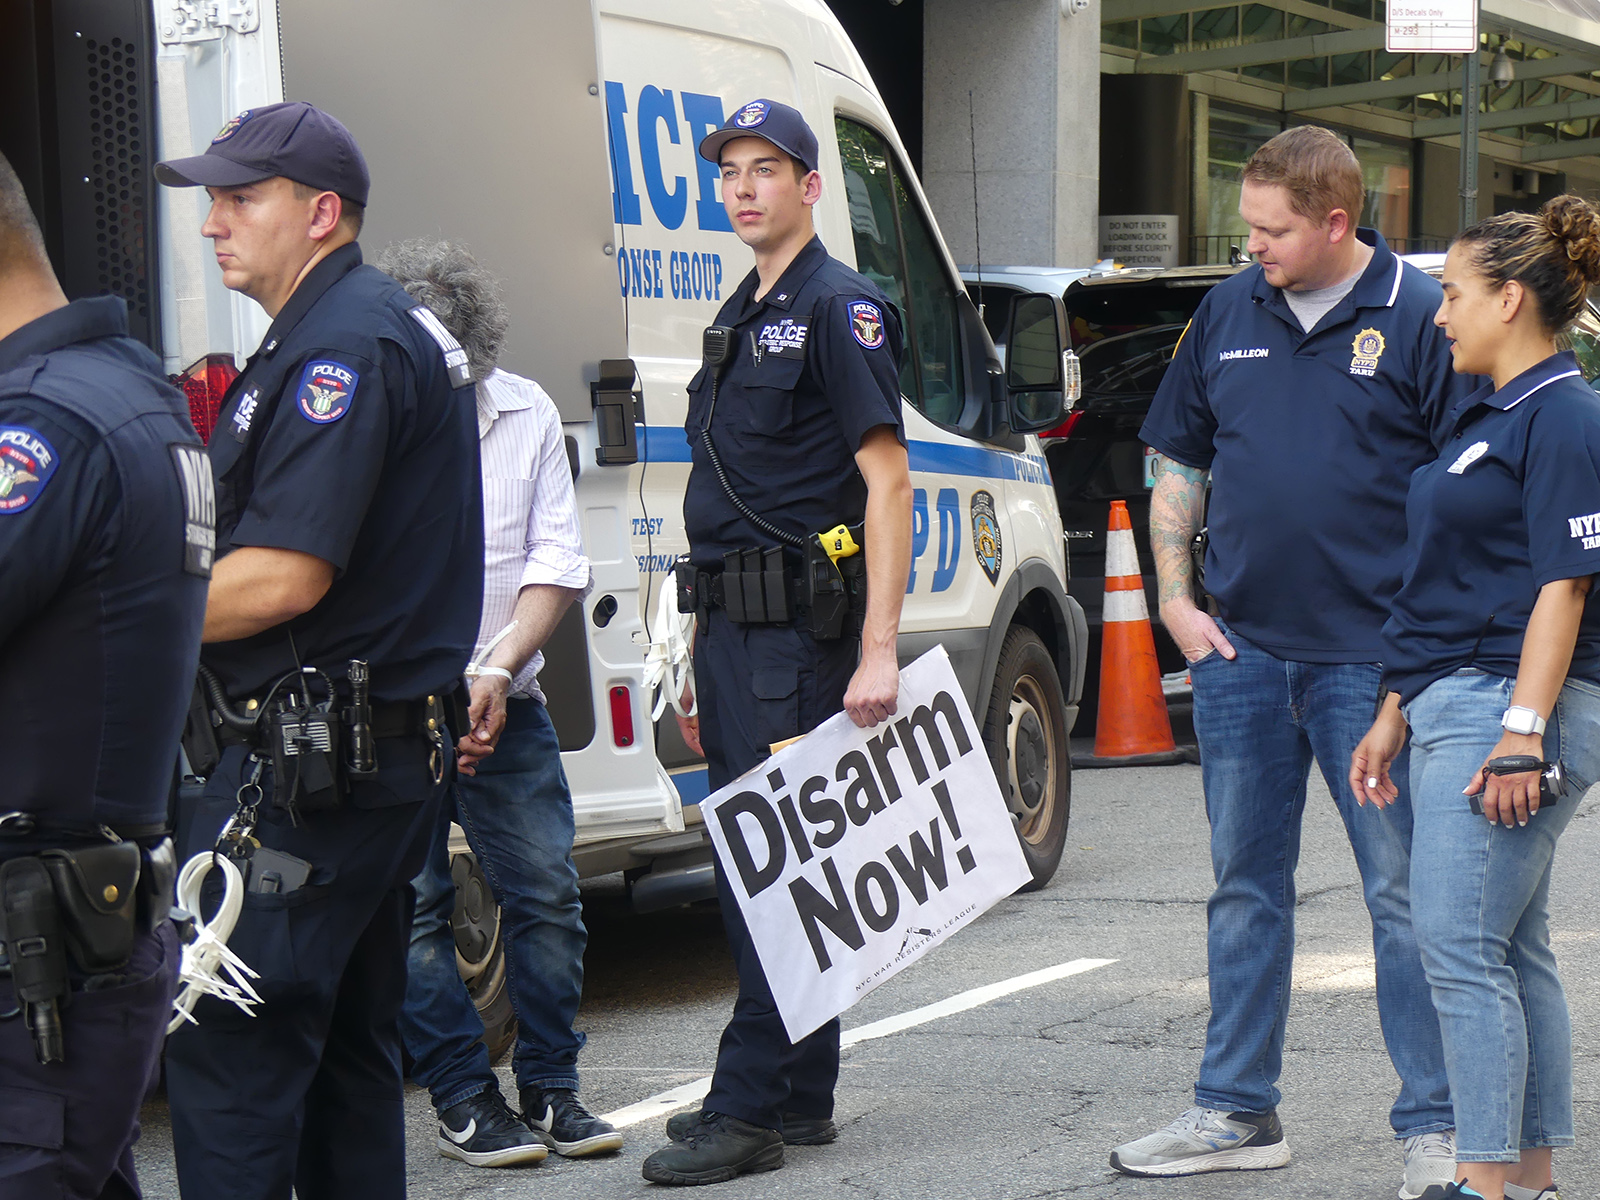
<point>481,954</point>
<point>1025,731</point>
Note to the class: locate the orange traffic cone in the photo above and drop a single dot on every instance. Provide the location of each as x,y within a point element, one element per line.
<point>1133,725</point>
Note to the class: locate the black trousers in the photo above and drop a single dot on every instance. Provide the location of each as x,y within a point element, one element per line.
<point>758,685</point>
<point>307,1093</point>
<point>67,1129</point>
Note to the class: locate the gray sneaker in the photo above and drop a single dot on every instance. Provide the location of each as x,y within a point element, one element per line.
<point>1430,1165</point>
<point>1207,1139</point>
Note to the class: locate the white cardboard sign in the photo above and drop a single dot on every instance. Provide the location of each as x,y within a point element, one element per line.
<point>853,852</point>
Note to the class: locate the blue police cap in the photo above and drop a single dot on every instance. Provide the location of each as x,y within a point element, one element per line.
<point>295,140</point>
<point>781,125</point>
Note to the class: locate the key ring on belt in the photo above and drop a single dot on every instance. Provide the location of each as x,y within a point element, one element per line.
<point>243,821</point>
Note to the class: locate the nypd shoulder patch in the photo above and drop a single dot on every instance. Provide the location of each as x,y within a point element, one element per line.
<point>866,323</point>
<point>751,114</point>
<point>455,358</point>
<point>27,461</point>
<point>326,391</point>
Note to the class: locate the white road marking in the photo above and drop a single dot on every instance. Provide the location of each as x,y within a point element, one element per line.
<point>687,1094</point>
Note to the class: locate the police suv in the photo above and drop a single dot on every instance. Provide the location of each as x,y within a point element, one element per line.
<point>557,141</point>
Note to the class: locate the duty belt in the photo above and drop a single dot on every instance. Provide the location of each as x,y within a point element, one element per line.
<point>397,718</point>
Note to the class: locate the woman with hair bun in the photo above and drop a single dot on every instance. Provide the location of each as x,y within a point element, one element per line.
<point>1492,658</point>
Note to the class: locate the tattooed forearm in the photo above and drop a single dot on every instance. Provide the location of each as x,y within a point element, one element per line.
<point>1175,507</point>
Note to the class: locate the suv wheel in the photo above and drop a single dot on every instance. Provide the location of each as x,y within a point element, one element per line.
<point>1025,731</point>
<point>481,954</point>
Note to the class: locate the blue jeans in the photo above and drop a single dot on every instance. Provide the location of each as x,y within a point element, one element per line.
<point>1260,722</point>
<point>1482,912</point>
<point>517,814</point>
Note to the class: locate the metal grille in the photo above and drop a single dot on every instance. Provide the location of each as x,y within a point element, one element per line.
<point>118,164</point>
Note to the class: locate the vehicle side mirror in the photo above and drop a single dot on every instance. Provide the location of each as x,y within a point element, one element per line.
<point>1042,376</point>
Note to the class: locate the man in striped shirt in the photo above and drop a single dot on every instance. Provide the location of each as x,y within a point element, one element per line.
<point>511,796</point>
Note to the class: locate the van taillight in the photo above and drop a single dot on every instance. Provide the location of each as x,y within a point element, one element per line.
<point>1065,428</point>
<point>621,716</point>
<point>204,384</point>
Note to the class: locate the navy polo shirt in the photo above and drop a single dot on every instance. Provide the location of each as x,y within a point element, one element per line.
<point>815,365</point>
<point>351,435</point>
<point>1310,439</point>
<point>105,533</point>
<point>1512,503</point>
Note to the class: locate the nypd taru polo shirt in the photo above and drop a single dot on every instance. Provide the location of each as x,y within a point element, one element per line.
<point>1512,503</point>
<point>1310,439</point>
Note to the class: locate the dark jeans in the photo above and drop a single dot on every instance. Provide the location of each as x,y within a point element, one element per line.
<point>758,685</point>
<point>1260,722</point>
<point>517,815</point>
<point>67,1129</point>
<point>307,1093</point>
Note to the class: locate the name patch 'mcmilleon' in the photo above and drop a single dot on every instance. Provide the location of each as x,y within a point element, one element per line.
<point>1251,352</point>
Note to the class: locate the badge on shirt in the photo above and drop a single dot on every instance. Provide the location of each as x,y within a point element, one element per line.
<point>866,323</point>
<point>785,338</point>
<point>1468,456</point>
<point>199,507</point>
<point>326,390</point>
<point>245,414</point>
<point>1366,350</point>
<point>26,463</point>
<point>986,535</point>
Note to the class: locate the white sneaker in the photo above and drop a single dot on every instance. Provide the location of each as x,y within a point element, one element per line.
<point>1207,1139</point>
<point>1430,1165</point>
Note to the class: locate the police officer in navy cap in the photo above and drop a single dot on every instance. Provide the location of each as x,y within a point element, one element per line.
<point>794,431</point>
<point>105,533</point>
<point>342,609</point>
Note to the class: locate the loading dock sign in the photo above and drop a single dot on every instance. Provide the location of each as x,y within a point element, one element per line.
<point>1140,241</point>
<point>853,852</point>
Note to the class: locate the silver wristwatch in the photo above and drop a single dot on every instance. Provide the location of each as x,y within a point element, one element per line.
<point>1522,720</point>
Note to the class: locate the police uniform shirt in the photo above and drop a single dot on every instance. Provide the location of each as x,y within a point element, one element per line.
<point>815,365</point>
<point>1310,439</point>
<point>1511,503</point>
<point>350,437</point>
<point>105,534</point>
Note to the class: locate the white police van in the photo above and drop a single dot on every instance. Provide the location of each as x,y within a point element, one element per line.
<point>557,141</point>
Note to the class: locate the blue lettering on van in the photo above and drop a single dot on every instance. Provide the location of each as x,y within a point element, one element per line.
<point>656,564</point>
<point>655,106</point>
<point>704,113</point>
<point>624,200</point>
<point>644,274</point>
<point>669,199</point>
<point>919,533</point>
<point>950,539</point>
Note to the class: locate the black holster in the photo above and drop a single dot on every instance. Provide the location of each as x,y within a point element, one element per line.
<point>836,591</point>
<point>30,927</point>
<point>97,895</point>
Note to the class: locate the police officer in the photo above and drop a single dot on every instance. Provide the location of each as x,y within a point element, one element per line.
<point>350,543</point>
<point>105,533</point>
<point>796,431</point>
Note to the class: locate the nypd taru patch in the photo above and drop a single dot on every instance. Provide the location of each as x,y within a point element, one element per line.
<point>231,128</point>
<point>751,114</point>
<point>784,338</point>
<point>326,390</point>
<point>986,535</point>
<point>1366,350</point>
<point>866,323</point>
<point>27,462</point>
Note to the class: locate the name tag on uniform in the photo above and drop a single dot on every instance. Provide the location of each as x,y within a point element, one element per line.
<point>784,338</point>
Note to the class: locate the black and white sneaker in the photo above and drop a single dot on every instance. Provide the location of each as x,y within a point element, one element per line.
<point>1206,1139</point>
<point>559,1120</point>
<point>482,1131</point>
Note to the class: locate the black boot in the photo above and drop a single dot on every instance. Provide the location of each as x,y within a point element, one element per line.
<point>717,1148</point>
<point>797,1130</point>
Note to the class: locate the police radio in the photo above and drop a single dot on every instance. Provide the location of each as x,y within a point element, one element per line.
<point>303,739</point>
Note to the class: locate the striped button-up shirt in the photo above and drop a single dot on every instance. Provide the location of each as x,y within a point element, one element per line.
<point>530,516</point>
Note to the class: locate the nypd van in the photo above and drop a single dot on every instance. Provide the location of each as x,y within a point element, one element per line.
<point>558,142</point>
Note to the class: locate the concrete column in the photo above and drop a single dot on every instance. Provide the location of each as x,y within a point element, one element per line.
<point>1034,79</point>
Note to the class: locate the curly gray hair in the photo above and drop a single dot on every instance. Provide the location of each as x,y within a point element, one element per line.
<point>458,289</point>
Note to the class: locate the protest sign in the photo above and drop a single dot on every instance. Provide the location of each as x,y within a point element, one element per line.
<point>853,852</point>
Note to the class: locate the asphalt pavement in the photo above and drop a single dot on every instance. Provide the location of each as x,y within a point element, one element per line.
<point>1024,1096</point>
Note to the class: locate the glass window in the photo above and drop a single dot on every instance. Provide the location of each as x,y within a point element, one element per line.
<point>1121,33</point>
<point>897,251</point>
<point>1233,138</point>
<point>1583,339</point>
<point>1216,26</point>
<point>1164,35</point>
<point>1386,170</point>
